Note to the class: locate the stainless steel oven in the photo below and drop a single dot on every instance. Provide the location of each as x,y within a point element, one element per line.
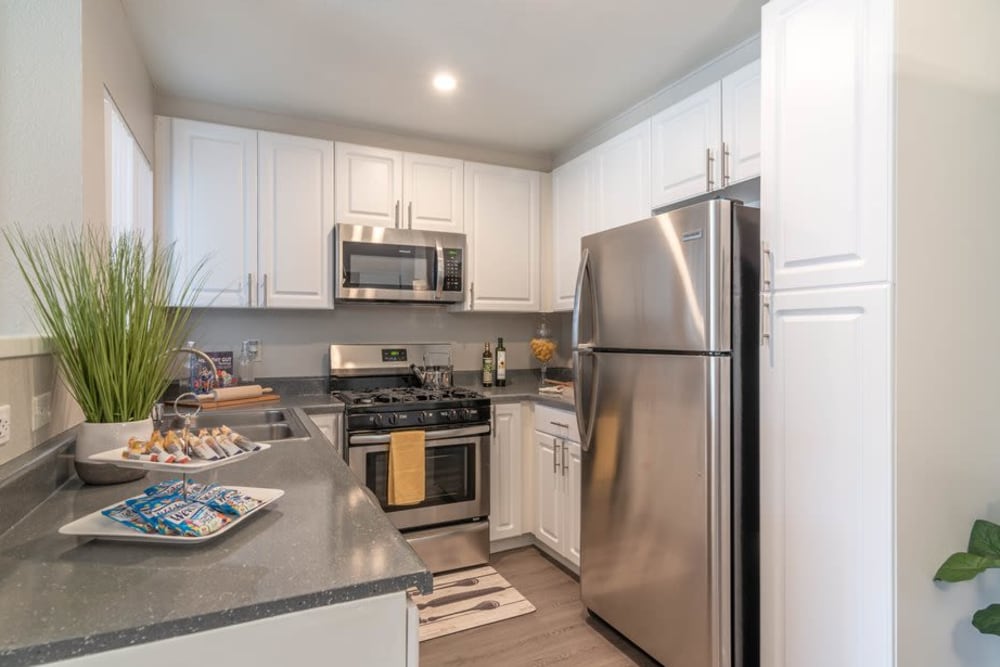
<point>457,476</point>
<point>450,528</point>
<point>388,264</point>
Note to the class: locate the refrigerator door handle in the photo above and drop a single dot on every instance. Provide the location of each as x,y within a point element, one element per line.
<point>585,426</point>
<point>583,273</point>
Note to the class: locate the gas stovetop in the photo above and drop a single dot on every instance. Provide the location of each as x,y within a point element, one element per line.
<point>433,398</point>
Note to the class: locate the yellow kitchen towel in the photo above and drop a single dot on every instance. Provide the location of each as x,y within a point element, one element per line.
<point>406,468</point>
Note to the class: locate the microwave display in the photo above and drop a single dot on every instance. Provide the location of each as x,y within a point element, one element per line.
<point>388,266</point>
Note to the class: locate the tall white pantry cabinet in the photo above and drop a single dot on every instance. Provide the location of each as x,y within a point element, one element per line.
<point>849,544</point>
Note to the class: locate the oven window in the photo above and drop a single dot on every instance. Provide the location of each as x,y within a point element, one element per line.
<point>388,266</point>
<point>450,475</point>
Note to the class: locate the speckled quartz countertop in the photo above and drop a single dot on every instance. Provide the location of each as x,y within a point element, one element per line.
<point>325,541</point>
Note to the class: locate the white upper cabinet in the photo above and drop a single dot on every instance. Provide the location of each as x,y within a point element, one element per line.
<point>572,219</point>
<point>384,188</point>
<point>432,190</point>
<point>827,479</point>
<point>826,98</point>
<point>605,187</point>
<point>296,221</point>
<point>621,172</point>
<point>502,224</point>
<point>211,209</point>
<point>369,186</point>
<point>685,147</point>
<point>741,124</point>
<point>212,179</point>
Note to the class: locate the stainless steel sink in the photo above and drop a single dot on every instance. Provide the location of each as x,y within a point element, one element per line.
<point>256,425</point>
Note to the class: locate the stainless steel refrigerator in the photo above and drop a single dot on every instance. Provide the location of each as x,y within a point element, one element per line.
<point>665,357</point>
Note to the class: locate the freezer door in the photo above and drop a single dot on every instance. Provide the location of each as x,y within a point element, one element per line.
<point>660,284</point>
<point>655,545</point>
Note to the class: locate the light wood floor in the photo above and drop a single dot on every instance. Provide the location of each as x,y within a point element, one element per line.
<point>560,632</point>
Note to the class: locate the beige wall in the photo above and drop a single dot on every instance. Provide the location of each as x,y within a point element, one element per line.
<point>215,113</point>
<point>40,137</point>
<point>111,60</point>
<point>948,321</point>
<point>296,343</point>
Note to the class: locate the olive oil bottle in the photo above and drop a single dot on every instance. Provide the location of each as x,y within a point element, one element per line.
<point>487,366</point>
<point>501,363</point>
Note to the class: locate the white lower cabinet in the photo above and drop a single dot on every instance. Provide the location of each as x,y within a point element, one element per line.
<point>375,632</point>
<point>505,473</point>
<point>826,463</point>
<point>557,482</point>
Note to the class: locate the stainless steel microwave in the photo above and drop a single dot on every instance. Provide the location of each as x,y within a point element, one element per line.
<point>389,264</point>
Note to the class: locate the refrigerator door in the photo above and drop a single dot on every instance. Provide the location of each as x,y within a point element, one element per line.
<point>655,512</point>
<point>659,284</point>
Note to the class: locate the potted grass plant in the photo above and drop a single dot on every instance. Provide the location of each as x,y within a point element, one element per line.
<point>113,309</point>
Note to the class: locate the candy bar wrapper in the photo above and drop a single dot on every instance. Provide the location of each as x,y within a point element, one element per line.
<point>153,509</point>
<point>125,515</point>
<point>194,520</point>
<point>229,501</point>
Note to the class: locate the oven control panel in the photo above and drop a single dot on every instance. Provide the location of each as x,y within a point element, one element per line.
<point>380,419</point>
<point>453,269</point>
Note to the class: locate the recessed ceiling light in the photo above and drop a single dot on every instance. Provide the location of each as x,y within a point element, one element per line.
<point>444,82</point>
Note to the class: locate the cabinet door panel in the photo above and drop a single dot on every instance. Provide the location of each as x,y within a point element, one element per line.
<point>505,473</point>
<point>369,186</point>
<point>433,189</point>
<point>826,100</point>
<point>684,137</point>
<point>213,208</point>
<point>571,481</point>
<point>741,124</point>
<point>502,222</point>
<point>548,492</point>
<point>296,220</point>
<point>572,218</point>
<point>827,480</point>
<point>622,176</point>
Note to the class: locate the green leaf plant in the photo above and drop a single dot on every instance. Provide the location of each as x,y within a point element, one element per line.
<point>983,554</point>
<point>112,308</point>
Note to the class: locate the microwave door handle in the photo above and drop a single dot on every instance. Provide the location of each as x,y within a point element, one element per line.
<point>440,270</point>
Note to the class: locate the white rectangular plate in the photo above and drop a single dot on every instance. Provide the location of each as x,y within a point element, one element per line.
<point>196,465</point>
<point>96,524</point>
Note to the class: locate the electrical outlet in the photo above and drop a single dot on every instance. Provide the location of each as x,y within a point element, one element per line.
<point>4,424</point>
<point>256,349</point>
<point>41,410</point>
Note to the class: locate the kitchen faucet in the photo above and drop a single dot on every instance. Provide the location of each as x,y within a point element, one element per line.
<point>156,414</point>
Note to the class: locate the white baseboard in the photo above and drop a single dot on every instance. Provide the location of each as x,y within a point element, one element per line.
<point>529,540</point>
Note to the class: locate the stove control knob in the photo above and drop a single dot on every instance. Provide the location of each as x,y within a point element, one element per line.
<point>391,418</point>
<point>470,414</point>
<point>422,417</point>
<point>453,415</point>
<point>375,420</point>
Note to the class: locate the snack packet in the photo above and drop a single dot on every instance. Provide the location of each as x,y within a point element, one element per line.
<point>194,520</point>
<point>125,515</point>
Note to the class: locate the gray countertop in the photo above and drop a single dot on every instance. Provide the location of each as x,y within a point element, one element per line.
<point>325,541</point>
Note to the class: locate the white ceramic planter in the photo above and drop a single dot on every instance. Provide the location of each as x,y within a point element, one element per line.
<point>94,438</point>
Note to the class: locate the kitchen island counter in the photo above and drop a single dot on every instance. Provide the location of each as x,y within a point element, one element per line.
<point>324,542</point>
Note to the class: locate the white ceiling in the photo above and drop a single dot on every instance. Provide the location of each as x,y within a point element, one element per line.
<point>533,75</point>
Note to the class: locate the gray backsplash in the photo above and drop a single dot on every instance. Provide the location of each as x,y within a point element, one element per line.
<point>295,343</point>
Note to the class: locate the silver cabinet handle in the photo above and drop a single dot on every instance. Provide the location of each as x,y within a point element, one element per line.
<point>264,291</point>
<point>725,164</point>
<point>555,456</point>
<point>472,296</point>
<point>565,465</point>
<point>409,215</point>
<point>766,266</point>
<point>249,290</point>
<point>709,160</point>
<point>559,424</point>
<point>396,216</point>
<point>494,424</point>
<point>765,318</point>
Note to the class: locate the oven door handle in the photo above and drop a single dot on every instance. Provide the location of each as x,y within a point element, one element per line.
<point>443,434</point>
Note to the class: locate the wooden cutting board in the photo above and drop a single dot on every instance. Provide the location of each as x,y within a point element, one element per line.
<point>215,405</point>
